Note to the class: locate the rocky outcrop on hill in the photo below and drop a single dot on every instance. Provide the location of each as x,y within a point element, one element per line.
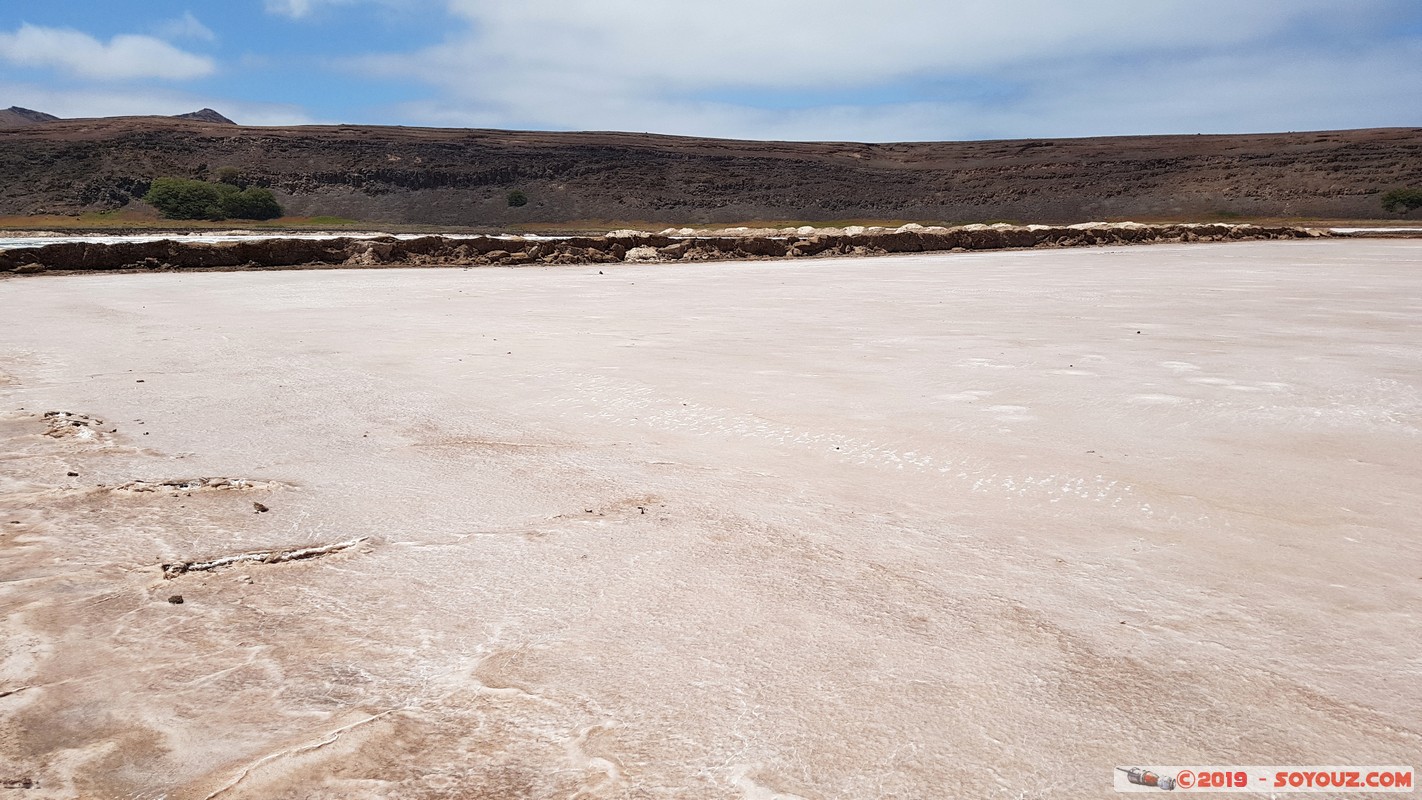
<point>616,247</point>
<point>205,115</point>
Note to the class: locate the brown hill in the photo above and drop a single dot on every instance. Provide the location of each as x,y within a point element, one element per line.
<point>205,115</point>
<point>463,177</point>
<point>16,117</point>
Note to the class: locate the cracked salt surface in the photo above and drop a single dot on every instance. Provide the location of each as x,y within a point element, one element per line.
<point>934,533</point>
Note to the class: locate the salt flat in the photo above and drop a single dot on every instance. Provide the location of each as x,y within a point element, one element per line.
<point>967,525</point>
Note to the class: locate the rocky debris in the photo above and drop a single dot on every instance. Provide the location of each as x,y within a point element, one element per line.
<point>175,599</point>
<point>260,508</point>
<point>279,556</point>
<point>64,424</point>
<point>619,246</point>
<point>643,253</point>
<point>193,485</point>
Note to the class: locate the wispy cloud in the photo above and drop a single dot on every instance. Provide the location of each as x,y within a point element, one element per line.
<point>1092,66</point>
<point>123,57</point>
<point>770,69</point>
<point>185,27</point>
<point>290,8</point>
<point>300,9</point>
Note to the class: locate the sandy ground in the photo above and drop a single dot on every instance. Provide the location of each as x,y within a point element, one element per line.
<point>969,525</point>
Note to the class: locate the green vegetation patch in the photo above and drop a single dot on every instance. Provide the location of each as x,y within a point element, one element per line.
<point>1402,200</point>
<point>181,198</point>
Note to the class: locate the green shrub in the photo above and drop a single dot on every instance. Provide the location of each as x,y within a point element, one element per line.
<point>250,203</point>
<point>180,198</point>
<point>1402,200</point>
<point>517,198</point>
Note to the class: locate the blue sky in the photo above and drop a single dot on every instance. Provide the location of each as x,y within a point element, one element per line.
<point>792,69</point>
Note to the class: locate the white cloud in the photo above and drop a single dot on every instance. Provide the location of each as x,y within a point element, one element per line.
<point>833,43</point>
<point>1275,89</point>
<point>137,102</point>
<point>186,27</point>
<point>1090,66</point>
<point>298,9</point>
<point>290,8</point>
<point>122,58</point>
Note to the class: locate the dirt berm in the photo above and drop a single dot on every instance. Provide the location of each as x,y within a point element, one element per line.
<point>615,247</point>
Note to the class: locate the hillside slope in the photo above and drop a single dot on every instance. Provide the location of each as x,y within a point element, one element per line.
<point>463,177</point>
<point>16,117</point>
